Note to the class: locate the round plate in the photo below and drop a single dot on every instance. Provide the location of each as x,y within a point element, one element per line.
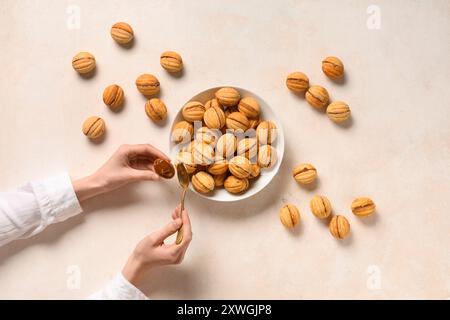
<point>256,185</point>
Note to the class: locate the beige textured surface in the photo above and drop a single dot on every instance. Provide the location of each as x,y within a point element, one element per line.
<point>396,150</point>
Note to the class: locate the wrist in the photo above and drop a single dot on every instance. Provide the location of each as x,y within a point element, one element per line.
<point>133,270</point>
<point>88,187</point>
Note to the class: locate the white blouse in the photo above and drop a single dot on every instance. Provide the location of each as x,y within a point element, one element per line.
<point>31,208</point>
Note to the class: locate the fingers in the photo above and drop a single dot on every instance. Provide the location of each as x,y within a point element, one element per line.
<point>174,253</point>
<point>167,231</point>
<point>176,212</point>
<point>147,150</point>
<point>175,215</point>
<point>187,229</point>
<point>139,175</point>
<point>141,164</point>
<point>139,158</point>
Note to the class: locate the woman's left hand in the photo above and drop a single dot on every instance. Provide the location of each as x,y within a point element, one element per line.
<point>152,251</point>
<point>129,163</point>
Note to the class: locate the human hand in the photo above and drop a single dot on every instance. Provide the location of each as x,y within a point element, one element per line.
<point>152,251</point>
<point>128,164</point>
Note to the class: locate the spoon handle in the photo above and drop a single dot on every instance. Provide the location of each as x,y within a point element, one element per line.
<point>180,231</point>
<point>183,195</point>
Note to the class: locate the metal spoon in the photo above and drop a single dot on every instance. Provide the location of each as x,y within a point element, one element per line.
<point>183,179</point>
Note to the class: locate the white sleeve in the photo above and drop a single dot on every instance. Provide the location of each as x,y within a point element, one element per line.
<point>119,289</point>
<point>31,208</point>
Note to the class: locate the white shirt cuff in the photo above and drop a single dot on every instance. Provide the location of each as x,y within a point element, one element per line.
<point>119,289</point>
<point>56,199</point>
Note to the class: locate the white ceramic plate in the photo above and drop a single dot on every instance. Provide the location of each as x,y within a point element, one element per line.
<point>256,185</point>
